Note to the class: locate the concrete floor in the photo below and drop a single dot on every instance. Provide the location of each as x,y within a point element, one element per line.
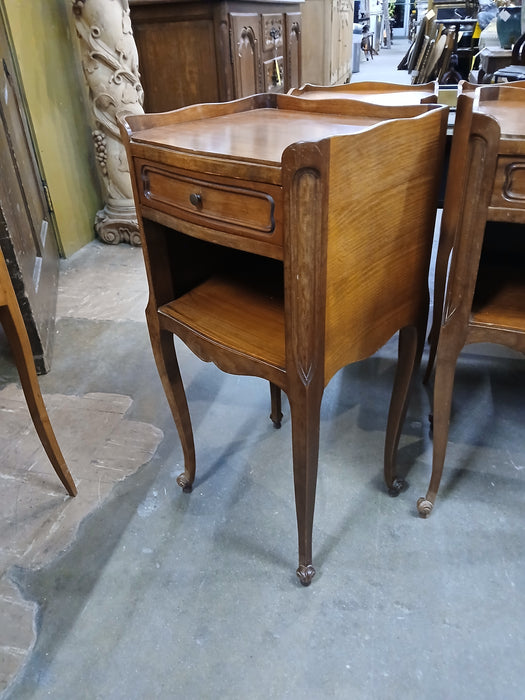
<point>161,594</point>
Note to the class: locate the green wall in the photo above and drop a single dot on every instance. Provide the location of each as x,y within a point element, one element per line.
<point>46,51</point>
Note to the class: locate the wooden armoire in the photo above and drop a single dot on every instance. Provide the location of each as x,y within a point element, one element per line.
<point>193,51</point>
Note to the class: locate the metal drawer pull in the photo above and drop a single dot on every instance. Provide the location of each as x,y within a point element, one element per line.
<point>196,200</point>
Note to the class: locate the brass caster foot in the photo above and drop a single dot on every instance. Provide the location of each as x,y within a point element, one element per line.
<point>184,483</point>
<point>424,507</point>
<point>398,485</point>
<point>305,574</point>
<point>276,421</point>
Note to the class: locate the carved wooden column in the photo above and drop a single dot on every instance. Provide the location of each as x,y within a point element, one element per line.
<point>110,65</point>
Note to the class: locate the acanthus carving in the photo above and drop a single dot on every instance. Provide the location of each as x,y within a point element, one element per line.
<point>110,65</point>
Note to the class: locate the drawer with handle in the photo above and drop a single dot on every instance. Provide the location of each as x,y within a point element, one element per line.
<point>219,203</point>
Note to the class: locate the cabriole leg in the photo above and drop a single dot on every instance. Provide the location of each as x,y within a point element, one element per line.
<point>443,388</point>
<point>305,415</point>
<point>276,414</point>
<point>407,354</point>
<point>440,276</point>
<point>168,368</point>
<point>16,334</point>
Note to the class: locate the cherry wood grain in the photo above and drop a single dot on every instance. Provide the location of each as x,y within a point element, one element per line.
<point>261,134</point>
<point>235,314</point>
<point>367,276</point>
<point>331,289</point>
<point>248,130</point>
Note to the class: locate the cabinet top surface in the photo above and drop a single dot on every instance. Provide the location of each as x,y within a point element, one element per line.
<point>510,116</point>
<point>256,135</point>
<point>379,97</point>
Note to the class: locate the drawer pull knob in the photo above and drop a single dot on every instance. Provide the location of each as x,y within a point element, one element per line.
<point>196,200</point>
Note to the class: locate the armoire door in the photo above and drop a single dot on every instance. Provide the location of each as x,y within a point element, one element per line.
<point>27,235</point>
<point>272,52</point>
<point>246,38</point>
<point>293,50</point>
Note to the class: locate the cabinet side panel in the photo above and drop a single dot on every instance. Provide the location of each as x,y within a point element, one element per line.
<point>177,57</point>
<point>380,234</point>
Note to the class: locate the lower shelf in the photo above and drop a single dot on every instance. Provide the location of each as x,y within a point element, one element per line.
<point>236,314</point>
<point>500,298</point>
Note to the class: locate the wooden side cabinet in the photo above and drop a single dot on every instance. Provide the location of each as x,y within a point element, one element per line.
<point>197,52</point>
<point>261,258</point>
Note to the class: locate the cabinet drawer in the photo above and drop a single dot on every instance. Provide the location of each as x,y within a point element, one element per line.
<point>509,185</point>
<point>215,204</point>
